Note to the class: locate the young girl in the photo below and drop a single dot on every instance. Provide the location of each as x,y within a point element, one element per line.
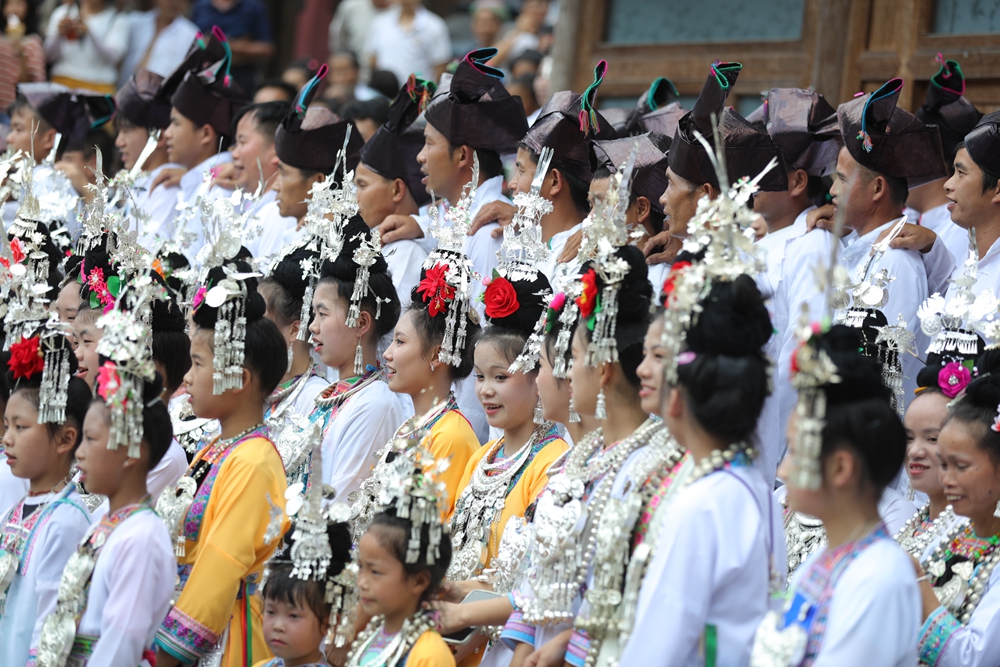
<point>358,413</point>
<point>283,291</point>
<point>940,381</point>
<point>402,562</point>
<point>416,370</point>
<point>126,596</point>
<point>961,590</point>
<point>234,486</point>
<point>718,547</point>
<point>854,601</point>
<point>41,532</point>
<point>303,603</point>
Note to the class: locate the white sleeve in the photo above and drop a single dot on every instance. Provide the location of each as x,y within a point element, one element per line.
<point>370,421</point>
<point>939,264</point>
<point>875,612</point>
<point>138,597</point>
<point>974,645</point>
<point>171,468</point>
<point>57,542</point>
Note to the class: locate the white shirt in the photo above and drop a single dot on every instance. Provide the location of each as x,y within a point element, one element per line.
<point>711,568</point>
<point>12,489</point>
<point>906,292</point>
<point>418,48</point>
<point>189,228</point>
<point>875,613</point>
<point>84,59</point>
<point>364,424</point>
<point>166,50</point>
<point>153,210</point>
<point>556,246</point>
<point>955,239</point>
<point>34,591</point>
<point>130,590</point>
<point>272,231</point>
<point>405,258</point>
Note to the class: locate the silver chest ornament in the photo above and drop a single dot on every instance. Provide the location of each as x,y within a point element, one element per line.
<point>776,647</point>
<point>8,568</point>
<point>173,508</point>
<point>59,629</point>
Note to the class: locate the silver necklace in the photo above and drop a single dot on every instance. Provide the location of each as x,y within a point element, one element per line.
<point>915,544</point>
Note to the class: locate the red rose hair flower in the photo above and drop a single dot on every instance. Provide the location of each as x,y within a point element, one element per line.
<point>25,358</point>
<point>675,271</point>
<point>587,301</point>
<point>500,298</point>
<point>435,290</point>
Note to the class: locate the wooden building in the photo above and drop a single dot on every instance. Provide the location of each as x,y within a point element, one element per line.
<point>838,47</point>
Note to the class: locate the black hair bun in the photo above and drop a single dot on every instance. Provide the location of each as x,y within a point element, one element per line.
<point>344,267</point>
<point>984,392</point>
<point>339,535</point>
<point>936,361</point>
<point>860,376</point>
<point>733,321</point>
<point>205,316</point>
<point>288,271</point>
<point>532,300</point>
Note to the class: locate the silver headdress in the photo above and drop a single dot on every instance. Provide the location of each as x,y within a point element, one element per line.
<point>127,342</point>
<point>56,204</point>
<point>448,272</point>
<point>365,257</point>
<point>412,488</point>
<point>229,296</point>
<point>523,250</point>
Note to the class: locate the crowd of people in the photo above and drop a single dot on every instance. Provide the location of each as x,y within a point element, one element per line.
<point>458,381</point>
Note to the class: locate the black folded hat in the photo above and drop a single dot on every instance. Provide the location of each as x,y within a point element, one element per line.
<point>804,126</point>
<point>209,96</point>
<point>567,124</point>
<point>140,102</point>
<point>201,54</point>
<point>649,174</point>
<point>72,113</point>
<point>983,143</point>
<point>946,107</point>
<point>660,95</point>
<point>310,139</point>
<point>392,150</point>
<point>477,110</point>
<point>747,150</point>
<point>889,140</point>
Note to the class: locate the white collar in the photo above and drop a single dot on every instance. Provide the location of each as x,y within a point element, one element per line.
<point>195,177</point>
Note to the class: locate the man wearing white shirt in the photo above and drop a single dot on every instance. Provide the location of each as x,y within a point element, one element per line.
<point>875,169</point>
<point>476,117</point>
<point>407,38</point>
<point>255,165</point>
<point>158,39</point>
<point>199,132</point>
<point>142,110</point>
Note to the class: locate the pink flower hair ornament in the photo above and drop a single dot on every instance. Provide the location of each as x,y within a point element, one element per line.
<point>953,379</point>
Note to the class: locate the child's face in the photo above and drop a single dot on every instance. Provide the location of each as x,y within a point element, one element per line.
<point>553,391</point>
<point>509,399</point>
<point>87,336</point>
<point>22,121</point>
<point>333,340</point>
<point>68,303</point>
<point>100,468</point>
<point>31,451</point>
<point>409,370</point>
<point>923,425</point>
<point>584,380</point>
<point>383,585</point>
<point>292,631</point>
<point>204,403</point>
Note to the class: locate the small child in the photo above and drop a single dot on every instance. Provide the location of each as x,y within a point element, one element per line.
<point>298,611</point>
<point>397,576</point>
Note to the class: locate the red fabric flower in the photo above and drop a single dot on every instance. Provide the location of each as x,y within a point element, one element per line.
<point>107,380</point>
<point>25,358</point>
<point>17,250</point>
<point>435,290</point>
<point>199,297</point>
<point>675,271</point>
<point>587,301</point>
<point>500,298</point>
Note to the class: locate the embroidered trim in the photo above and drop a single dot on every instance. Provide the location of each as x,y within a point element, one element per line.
<point>184,638</point>
<point>934,635</point>
<point>42,516</point>
<point>517,631</point>
<point>578,648</point>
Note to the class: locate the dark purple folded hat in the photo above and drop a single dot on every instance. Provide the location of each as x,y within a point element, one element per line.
<point>804,126</point>
<point>946,107</point>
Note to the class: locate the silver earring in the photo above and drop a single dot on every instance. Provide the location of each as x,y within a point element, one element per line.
<point>996,512</point>
<point>601,412</point>
<point>432,367</point>
<point>291,356</point>
<point>574,417</point>
<point>539,413</point>
<point>359,360</point>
